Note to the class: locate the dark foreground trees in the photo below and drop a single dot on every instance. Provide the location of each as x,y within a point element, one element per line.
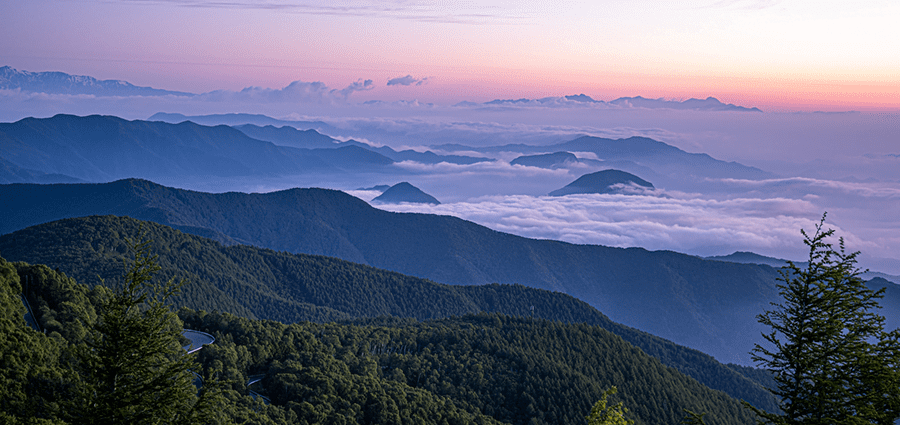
<point>832,360</point>
<point>134,369</point>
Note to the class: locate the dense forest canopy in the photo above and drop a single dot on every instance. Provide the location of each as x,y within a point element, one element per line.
<point>265,284</point>
<point>482,368</point>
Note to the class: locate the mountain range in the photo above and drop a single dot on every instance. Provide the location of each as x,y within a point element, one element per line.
<point>104,148</point>
<point>288,135</point>
<point>62,83</point>
<point>708,104</point>
<point>703,304</point>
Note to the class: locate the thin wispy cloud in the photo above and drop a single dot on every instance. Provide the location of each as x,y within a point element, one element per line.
<point>422,11</point>
<point>743,4</point>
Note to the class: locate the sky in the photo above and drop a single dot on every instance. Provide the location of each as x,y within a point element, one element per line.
<point>777,55</point>
<point>824,73</point>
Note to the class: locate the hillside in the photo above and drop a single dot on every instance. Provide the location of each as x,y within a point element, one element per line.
<point>260,283</point>
<point>471,369</point>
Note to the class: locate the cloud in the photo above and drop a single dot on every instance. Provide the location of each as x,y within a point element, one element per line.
<point>358,85</point>
<point>760,216</point>
<point>408,80</point>
<point>422,10</point>
<point>295,92</point>
<point>684,224</point>
<point>804,186</point>
<point>744,4</point>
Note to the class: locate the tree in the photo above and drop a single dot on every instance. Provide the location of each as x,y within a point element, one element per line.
<point>135,371</point>
<point>612,415</point>
<point>693,418</point>
<point>833,362</point>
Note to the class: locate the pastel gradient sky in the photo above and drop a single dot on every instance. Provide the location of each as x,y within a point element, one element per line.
<point>776,55</point>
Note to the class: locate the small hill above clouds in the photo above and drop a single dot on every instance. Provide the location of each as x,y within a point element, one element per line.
<point>606,181</point>
<point>405,192</point>
<point>548,160</point>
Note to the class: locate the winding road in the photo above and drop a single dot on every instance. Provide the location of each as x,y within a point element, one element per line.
<point>199,339</point>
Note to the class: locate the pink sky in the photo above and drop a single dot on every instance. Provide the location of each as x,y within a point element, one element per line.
<point>799,55</point>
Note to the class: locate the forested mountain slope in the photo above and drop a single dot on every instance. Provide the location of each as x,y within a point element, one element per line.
<point>473,369</point>
<point>261,283</point>
<point>515,370</point>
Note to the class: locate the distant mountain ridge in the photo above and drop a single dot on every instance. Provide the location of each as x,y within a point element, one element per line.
<point>308,139</point>
<point>62,83</point>
<point>12,173</point>
<point>754,258</point>
<point>237,119</point>
<point>104,148</point>
<point>707,305</point>
<point>708,104</point>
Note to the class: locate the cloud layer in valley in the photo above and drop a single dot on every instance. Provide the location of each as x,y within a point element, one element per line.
<point>759,216</point>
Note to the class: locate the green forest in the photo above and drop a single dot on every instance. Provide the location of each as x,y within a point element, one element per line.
<point>289,288</point>
<point>351,344</point>
<point>474,367</point>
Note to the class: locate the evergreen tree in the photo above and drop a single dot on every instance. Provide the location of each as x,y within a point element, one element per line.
<point>833,362</point>
<point>136,371</point>
<point>693,418</point>
<point>611,415</point>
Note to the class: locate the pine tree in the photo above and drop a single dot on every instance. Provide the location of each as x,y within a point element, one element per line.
<point>601,414</point>
<point>136,371</point>
<point>833,362</point>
